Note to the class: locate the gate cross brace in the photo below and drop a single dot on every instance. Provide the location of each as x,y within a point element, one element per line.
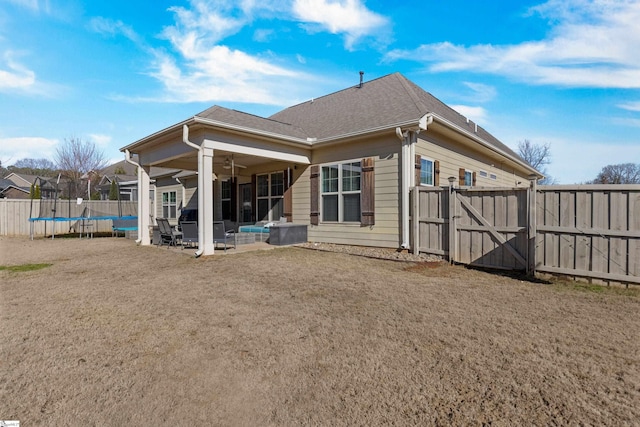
<point>496,235</point>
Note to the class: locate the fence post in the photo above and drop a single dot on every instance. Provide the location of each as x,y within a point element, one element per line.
<point>452,221</point>
<point>533,225</point>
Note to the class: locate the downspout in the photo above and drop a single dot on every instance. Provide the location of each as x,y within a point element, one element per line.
<point>185,139</point>
<point>409,138</point>
<point>128,159</point>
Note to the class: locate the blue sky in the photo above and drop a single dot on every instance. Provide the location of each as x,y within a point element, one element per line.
<point>563,72</point>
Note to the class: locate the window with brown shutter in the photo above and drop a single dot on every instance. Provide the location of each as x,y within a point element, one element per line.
<point>425,173</point>
<point>436,173</point>
<point>315,195</point>
<point>467,178</point>
<point>368,202</point>
<point>288,195</point>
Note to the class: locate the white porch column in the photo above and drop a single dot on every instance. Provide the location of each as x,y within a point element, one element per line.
<point>407,181</point>
<point>144,209</point>
<point>205,200</point>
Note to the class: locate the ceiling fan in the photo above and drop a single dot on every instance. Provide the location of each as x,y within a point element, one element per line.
<point>229,163</point>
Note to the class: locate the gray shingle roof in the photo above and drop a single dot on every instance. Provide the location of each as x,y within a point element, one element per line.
<point>385,101</point>
<point>238,118</point>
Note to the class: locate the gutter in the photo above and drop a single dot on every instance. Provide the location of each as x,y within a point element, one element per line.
<point>128,159</point>
<point>185,139</point>
<point>484,143</point>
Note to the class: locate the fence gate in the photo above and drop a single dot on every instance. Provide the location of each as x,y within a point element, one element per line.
<point>486,227</point>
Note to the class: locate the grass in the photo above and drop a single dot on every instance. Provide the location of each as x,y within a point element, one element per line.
<point>24,267</point>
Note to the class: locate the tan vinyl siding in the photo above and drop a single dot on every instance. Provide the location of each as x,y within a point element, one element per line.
<point>453,156</point>
<point>163,185</point>
<point>385,232</point>
<point>190,193</point>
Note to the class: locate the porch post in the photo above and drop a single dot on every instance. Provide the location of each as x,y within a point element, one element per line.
<point>452,221</point>
<point>533,225</point>
<point>205,200</point>
<point>144,209</point>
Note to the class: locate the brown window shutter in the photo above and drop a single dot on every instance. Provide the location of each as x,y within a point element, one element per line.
<point>288,195</point>
<point>315,195</point>
<point>254,194</point>
<point>473,179</point>
<point>367,193</point>
<point>234,199</point>
<point>418,168</point>
<point>461,176</point>
<point>436,173</point>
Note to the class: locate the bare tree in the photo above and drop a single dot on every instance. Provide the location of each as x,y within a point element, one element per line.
<point>624,173</point>
<point>76,159</point>
<point>538,156</point>
<point>39,167</point>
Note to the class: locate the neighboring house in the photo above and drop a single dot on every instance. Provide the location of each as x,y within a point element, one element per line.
<point>9,190</point>
<point>343,163</point>
<point>126,178</point>
<point>21,186</point>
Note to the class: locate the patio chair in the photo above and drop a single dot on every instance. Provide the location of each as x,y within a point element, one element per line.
<point>167,234</point>
<point>220,235</point>
<point>189,233</point>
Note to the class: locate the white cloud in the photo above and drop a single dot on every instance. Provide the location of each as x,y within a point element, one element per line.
<point>301,59</point>
<point>206,22</point>
<point>109,27</point>
<point>34,5</point>
<point>100,139</point>
<point>15,76</point>
<point>593,44</point>
<point>348,17</point>
<point>219,73</point>
<point>263,35</point>
<point>204,70</point>
<point>631,106</point>
<point>481,92</point>
<point>14,149</point>
<point>477,114</point>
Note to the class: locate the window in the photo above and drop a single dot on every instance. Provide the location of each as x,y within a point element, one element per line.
<point>468,178</point>
<point>483,174</point>
<point>270,191</point>
<point>493,176</point>
<point>341,192</point>
<point>426,172</point>
<point>225,196</point>
<point>169,204</point>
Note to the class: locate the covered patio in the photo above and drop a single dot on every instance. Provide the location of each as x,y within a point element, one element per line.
<point>215,149</point>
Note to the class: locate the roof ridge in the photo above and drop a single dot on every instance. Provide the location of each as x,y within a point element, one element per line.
<point>411,92</point>
<point>335,92</point>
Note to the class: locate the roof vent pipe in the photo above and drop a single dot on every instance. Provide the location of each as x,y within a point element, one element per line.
<point>361,77</point>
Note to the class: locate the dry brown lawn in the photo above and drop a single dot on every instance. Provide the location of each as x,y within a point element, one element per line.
<point>115,334</point>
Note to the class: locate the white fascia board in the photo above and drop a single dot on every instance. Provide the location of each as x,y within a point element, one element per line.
<point>485,144</point>
<point>257,151</point>
<point>410,124</point>
<point>131,147</point>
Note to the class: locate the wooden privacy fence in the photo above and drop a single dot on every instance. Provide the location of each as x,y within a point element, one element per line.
<point>15,213</point>
<point>590,231</point>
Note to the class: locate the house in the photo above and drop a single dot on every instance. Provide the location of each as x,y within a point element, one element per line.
<point>125,176</point>
<point>9,190</point>
<point>343,164</point>
<point>19,186</point>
